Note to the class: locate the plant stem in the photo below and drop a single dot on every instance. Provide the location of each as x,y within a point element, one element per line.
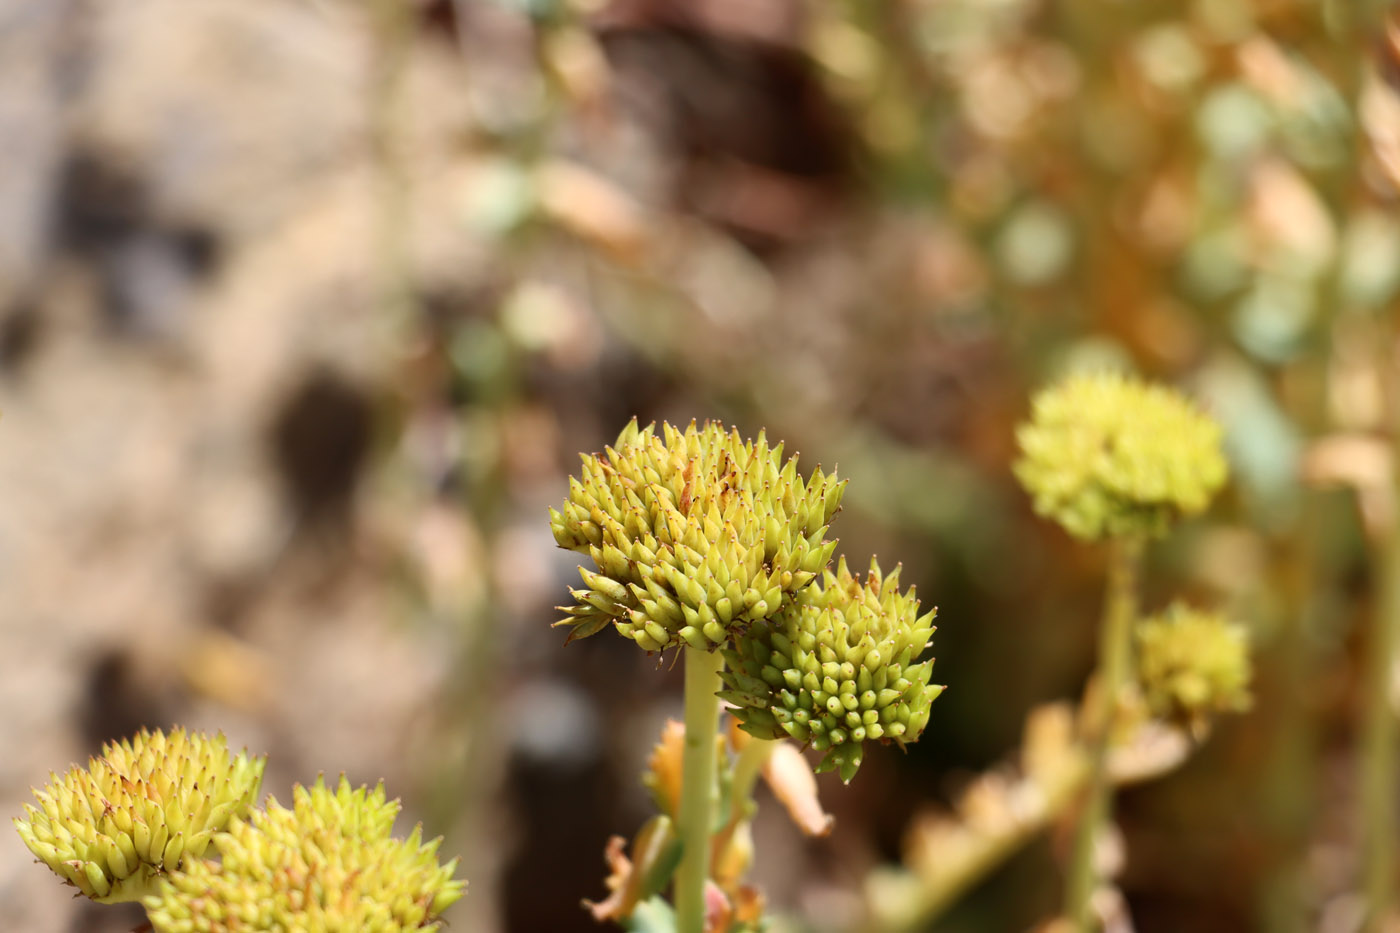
<point>747,767</point>
<point>1115,654</point>
<point>1378,761</point>
<point>698,764</point>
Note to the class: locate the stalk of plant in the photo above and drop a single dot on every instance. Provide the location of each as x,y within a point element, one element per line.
<point>1112,677</point>
<point>1112,458</point>
<point>697,804</point>
<point>1378,750</point>
<point>1192,665</point>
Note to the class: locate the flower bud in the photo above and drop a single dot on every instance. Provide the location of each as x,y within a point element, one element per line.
<point>840,664</point>
<point>139,809</point>
<point>328,863</point>
<point>1192,664</point>
<point>1110,455</point>
<point>695,535</point>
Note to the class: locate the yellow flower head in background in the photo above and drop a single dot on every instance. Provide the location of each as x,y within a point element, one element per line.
<point>837,667</point>
<point>327,864</point>
<point>143,807</point>
<point>696,534</point>
<point>1109,455</point>
<point>1192,664</point>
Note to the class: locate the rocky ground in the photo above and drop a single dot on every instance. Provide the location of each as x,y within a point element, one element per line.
<point>193,351</point>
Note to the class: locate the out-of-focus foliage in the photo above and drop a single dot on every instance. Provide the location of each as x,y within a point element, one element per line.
<point>1107,456</point>
<point>1193,663</point>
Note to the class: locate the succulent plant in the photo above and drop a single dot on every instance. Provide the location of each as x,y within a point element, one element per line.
<point>326,864</point>
<point>1110,455</point>
<point>143,807</point>
<point>837,667</point>
<point>695,535</point>
<point>1192,664</point>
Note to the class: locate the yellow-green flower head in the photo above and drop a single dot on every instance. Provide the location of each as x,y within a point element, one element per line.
<point>1192,664</point>
<point>695,534</point>
<point>836,668</point>
<point>1110,455</point>
<point>327,865</point>
<point>142,807</point>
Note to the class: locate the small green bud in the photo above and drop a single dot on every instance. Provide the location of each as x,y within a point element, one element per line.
<point>720,528</point>
<point>1192,664</point>
<point>1110,455</point>
<point>840,637</point>
<point>328,863</point>
<point>138,810</point>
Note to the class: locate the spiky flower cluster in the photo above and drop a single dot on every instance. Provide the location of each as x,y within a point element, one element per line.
<point>696,534</point>
<point>1192,664</point>
<point>836,668</point>
<point>327,864</point>
<point>142,807</point>
<point>1110,455</point>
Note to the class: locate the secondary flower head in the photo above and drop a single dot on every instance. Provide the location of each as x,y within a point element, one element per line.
<point>836,668</point>
<point>327,864</point>
<point>1192,664</point>
<point>696,534</point>
<point>1109,455</point>
<point>142,807</point>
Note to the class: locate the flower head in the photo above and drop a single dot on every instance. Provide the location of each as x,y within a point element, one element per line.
<point>696,534</point>
<point>143,807</point>
<point>1192,664</point>
<point>1109,455</point>
<point>327,864</point>
<point>836,667</point>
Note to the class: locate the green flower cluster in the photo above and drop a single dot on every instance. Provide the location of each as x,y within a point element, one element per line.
<point>696,535</point>
<point>141,808</point>
<point>327,864</point>
<point>1110,455</point>
<point>1192,664</point>
<point>703,540</point>
<point>837,667</point>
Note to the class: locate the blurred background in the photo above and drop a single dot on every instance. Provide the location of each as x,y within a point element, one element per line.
<point>307,306</point>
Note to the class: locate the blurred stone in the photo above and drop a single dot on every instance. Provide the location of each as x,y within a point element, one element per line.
<point>191,228</point>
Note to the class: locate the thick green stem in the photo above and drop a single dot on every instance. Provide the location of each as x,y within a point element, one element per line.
<point>1378,763</point>
<point>698,764</point>
<point>747,767</point>
<point>1115,656</point>
<point>1378,752</point>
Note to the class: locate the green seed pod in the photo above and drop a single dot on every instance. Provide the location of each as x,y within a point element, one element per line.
<point>695,535</point>
<point>138,810</point>
<point>842,653</point>
<point>328,863</point>
<point>1192,664</point>
<point>1110,455</point>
